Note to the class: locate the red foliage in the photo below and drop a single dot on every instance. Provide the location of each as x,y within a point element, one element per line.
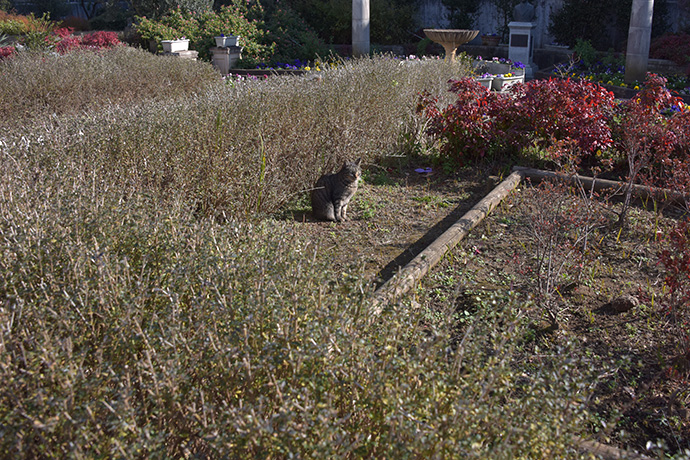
<point>66,42</point>
<point>63,32</point>
<point>7,51</point>
<point>547,111</point>
<point>541,112</point>
<point>6,16</point>
<point>672,47</point>
<point>675,259</point>
<point>101,39</point>
<point>466,126</point>
<point>653,134</point>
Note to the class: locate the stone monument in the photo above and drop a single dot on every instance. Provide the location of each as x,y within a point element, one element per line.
<point>521,47</point>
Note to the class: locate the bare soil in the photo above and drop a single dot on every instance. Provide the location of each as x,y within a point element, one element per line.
<point>397,212</point>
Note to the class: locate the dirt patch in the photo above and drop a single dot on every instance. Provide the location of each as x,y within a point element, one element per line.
<point>395,214</point>
<point>645,398</point>
<point>398,212</point>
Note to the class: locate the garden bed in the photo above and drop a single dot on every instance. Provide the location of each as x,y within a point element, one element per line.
<point>639,395</point>
<point>620,92</point>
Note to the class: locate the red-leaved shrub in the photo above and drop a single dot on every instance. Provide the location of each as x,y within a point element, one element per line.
<point>541,112</point>
<point>100,39</point>
<point>466,127</point>
<point>6,51</point>
<point>675,260</point>
<point>547,111</point>
<point>66,42</point>
<point>652,133</point>
<point>674,47</point>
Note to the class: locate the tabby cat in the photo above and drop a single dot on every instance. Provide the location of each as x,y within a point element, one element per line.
<point>333,192</point>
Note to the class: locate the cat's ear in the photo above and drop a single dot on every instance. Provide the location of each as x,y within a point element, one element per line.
<point>358,161</point>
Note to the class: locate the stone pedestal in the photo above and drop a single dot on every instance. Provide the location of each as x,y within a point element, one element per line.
<point>188,54</point>
<point>225,58</point>
<point>639,39</point>
<point>521,46</point>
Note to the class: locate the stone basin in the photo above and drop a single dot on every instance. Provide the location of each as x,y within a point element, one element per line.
<point>450,39</point>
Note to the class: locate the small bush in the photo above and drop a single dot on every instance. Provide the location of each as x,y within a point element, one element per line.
<point>650,133</point>
<point>541,113</point>
<point>66,42</point>
<point>674,47</point>
<point>675,259</point>
<point>159,8</point>
<point>12,27</point>
<point>7,51</point>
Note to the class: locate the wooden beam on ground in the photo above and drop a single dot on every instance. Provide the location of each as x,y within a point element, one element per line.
<point>639,191</point>
<point>409,275</point>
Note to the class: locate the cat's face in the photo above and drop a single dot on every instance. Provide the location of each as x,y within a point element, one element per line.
<point>352,169</point>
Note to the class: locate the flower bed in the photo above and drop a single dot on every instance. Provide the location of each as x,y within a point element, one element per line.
<point>497,66</point>
<point>498,73</point>
<point>612,75</point>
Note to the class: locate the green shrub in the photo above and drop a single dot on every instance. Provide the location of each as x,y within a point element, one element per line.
<point>293,37</point>
<point>34,31</point>
<point>12,27</point>
<point>585,52</point>
<point>393,21</point>
<point>159,8</point>
<point>111,17</point>
<point>239,18</point>
<point>462,13</point>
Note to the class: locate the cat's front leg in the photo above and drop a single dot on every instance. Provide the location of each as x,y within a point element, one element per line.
<point>339,211</point>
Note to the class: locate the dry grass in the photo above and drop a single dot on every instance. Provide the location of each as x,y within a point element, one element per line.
<point>131,326</point>
<point>36,85</point>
